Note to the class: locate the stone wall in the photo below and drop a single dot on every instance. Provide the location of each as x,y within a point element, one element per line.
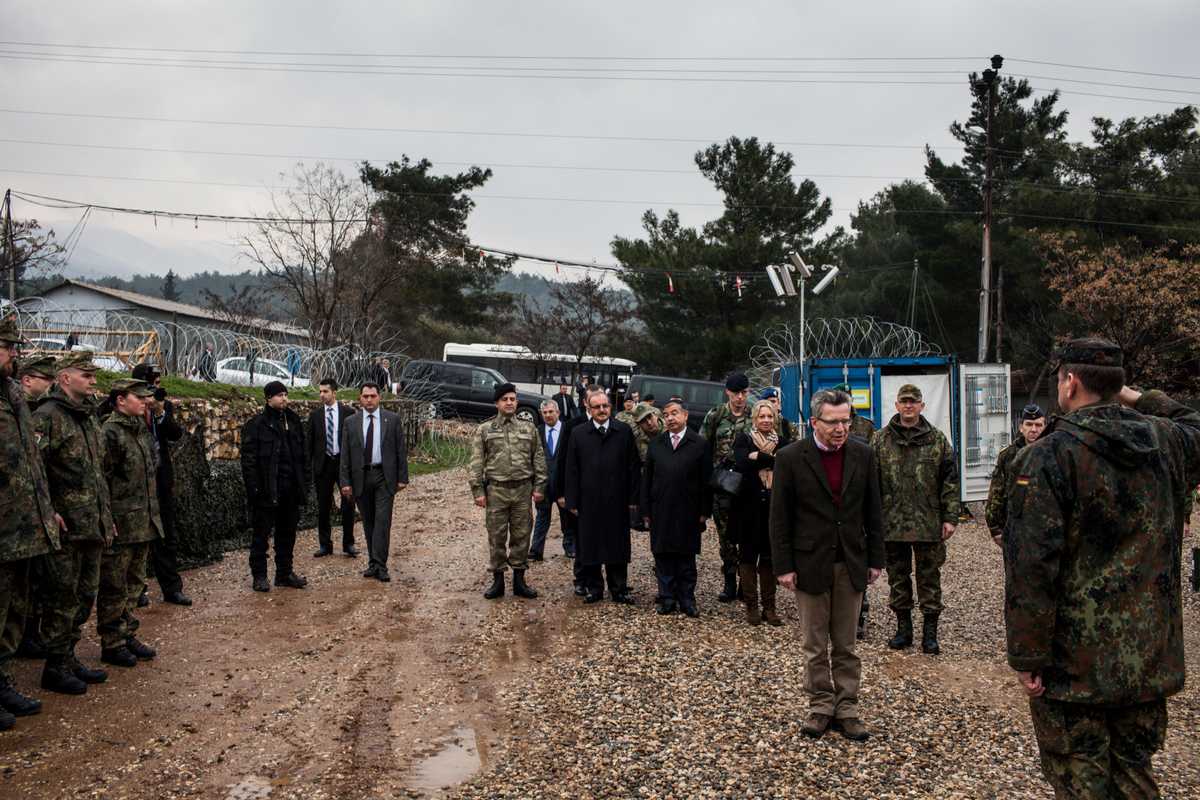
<point>212,514</point>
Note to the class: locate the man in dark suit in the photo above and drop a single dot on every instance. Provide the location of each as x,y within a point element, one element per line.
<point>374,466</point>
<point>324,441</point>
<point>827,545</point>
<point>550,432</point>
<point>601,489</point>
<point>559,476</point>
<point>676,502</point>
<point>564,402</point>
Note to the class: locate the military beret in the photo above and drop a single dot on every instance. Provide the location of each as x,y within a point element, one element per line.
<point>737,382</point>
<point>769,392</point>
<point>841,387</point>
<point>40,367</point>
<point>146,372</point>
<point>273,388</point>
<point>501,390</point>
<point>642,411</point>
<point>133,386</point>
<point>10,331</point>
<point>1091,351</point>
<point>910,391</point>
<point>76,359</point>
<point>1032,411</point>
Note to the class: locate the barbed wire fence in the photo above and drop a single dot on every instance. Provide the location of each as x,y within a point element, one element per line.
<point>836,337</point>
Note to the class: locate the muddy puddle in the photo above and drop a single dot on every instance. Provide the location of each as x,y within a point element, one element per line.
<point>455,761</point>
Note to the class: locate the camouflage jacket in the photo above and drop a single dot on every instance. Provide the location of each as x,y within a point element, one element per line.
<point>130,466</point>
<point>720,428</point>
<point>627,418</point>
<point>1092,551</point>
<point>918,480</point>
<point>642,441</point>
<point>27,524</point>
<point>507,449</point>
<point>73,452</point>
<point>996,511</point>
<point>862,427</point>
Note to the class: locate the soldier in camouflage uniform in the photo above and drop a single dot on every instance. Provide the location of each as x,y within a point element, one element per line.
<point>647,425</point>
<point>508,469</point>
<point>37,376</point>
<point>73,451</point>
<point>129,464</point>
<point>720,427</point>
<point>28,524</point>
<point>1093,594</point>
<point>1033,422</point>
<point>919,486</point>
<point>629,406</point>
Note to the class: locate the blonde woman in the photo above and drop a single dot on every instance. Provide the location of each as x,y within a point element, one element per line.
<point>754,455</point>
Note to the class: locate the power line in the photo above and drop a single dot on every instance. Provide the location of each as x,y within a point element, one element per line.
<point>1106,69</point>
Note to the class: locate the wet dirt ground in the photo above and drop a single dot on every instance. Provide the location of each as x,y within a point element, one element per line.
<point>417,688</point>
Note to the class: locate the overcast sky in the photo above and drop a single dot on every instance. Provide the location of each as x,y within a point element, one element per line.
<point>586,207</point>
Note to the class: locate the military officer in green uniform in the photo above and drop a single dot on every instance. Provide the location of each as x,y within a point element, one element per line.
<point>919,486</point>
<point>1033,422</point>
<point>647,425</point>
<point>629,406</point>
<point>28,525</point>
<point>72,448</point>
<point>1093,589</point>
<point>720,427</point>
<point>508,471</point>
<point>37,376</point>
<point>129,464</point>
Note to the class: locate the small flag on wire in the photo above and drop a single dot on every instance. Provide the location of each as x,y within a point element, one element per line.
<point>670,284</point>
<point>556,271</point>
<point>737,283</point>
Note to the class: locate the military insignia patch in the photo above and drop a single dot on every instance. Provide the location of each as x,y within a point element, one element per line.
<point>1022,480</point>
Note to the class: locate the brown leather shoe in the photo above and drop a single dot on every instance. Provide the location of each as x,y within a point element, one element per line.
<point>816,725</point>
<point>852,729</point>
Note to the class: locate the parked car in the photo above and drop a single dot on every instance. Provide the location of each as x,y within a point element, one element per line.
<point>52,346</point>
<point>462,390</point>
<point>236,370</point>
<point>698,396</point>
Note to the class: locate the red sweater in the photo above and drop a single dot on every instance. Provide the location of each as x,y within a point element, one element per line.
<point>832,461</point>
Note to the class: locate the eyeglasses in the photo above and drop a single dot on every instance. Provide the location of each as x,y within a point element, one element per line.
<point>835,423</point>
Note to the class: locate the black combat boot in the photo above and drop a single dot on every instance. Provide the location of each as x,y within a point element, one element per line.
<point>7,720</point>
<point>291,580</point>
<point>32,645</point>
<point>85,673</point>
<point>119,656</point>
<point>497,587</point>
<point>140,650</point>
<point>14,702</point>
<point>904,632</point>
<point>863,613</point>
<point>730,592</point>
<point>520,588</point>
<point>261,584</point>
<point>57,677</point>
<point>929,640</point>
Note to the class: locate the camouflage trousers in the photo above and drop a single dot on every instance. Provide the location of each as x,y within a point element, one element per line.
<point>14,585</point>
<point>1099,751</point>
<point>70,582</point>
<point>727,541</point>
<point>122,580</point>
<point>929,558</point>
<point>509,519</point>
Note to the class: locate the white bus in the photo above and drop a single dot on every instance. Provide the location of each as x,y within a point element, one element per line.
<point>542,373</point>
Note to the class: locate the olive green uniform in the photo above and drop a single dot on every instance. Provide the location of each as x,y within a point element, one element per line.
<point>129,464</point>
<point>508,465</point>
<point>72,448</point>
<point>28,528</point>
<point>720,428</point>
<point>919,487</point>
<point>996,510</point>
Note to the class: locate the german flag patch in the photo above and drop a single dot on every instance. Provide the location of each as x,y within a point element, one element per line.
<point>1022,480</point>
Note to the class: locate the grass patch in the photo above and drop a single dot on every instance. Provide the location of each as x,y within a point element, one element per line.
<point>438,453</point>
<point>202,390</point>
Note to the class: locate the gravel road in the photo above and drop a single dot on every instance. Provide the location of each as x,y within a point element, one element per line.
<point>420,688</point>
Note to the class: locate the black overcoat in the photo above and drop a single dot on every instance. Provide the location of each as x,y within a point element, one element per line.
<point>601,484</point>
<point>675,492</point>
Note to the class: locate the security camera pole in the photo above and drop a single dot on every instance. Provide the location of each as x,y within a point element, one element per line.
<point>782,282</point>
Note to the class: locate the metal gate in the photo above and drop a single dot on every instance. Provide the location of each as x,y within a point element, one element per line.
<point>986,422</point>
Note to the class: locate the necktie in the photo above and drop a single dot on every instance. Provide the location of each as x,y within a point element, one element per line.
<point>674,441</point>
<point>369,456</point>
<point>329,448</point>
<point>603,430</point>
<point>550,442</point>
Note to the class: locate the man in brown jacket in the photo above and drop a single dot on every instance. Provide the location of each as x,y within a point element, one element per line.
<point>827,545</point>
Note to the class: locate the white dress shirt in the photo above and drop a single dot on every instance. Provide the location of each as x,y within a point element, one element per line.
<point>556,431</point>
<point>332,417</point>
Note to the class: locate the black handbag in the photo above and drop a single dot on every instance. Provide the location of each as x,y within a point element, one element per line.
<point>724,480</point>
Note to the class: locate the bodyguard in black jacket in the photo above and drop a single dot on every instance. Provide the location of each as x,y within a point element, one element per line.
<point>276,472</point>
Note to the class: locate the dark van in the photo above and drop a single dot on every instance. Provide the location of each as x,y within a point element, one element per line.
<point>462,390</point>
<point>698,396</point>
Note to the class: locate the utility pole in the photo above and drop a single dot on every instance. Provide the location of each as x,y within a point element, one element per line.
<point>985,282</point>
<point>10,255</point>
